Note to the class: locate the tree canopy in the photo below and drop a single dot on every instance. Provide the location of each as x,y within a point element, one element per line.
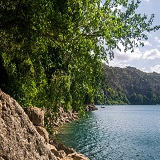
<point>52,50</point>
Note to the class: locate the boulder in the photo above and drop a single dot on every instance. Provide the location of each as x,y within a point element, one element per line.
<point>53,149</point>
<point>43,132</point>
<point>19,138</point>
<point>91,108</point>
<point>66,149</point>
<point>65,117</point>
<point>36,115</point>
<point>76,156</point>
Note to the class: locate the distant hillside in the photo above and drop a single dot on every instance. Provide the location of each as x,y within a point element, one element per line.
<point>131,86</point>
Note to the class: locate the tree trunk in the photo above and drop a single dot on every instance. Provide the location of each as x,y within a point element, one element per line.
<point>3,74</point>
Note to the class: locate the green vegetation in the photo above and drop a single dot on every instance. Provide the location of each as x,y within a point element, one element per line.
<point>51,51</point>
<point>131,86</point>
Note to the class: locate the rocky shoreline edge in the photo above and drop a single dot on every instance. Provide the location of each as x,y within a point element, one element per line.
<point>23,136</point>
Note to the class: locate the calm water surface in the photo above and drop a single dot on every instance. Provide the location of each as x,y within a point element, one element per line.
<point>116,133</point>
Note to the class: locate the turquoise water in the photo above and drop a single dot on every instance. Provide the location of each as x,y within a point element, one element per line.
<point>116,133</point>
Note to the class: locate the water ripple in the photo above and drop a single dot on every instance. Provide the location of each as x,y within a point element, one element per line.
<point>117,133</point>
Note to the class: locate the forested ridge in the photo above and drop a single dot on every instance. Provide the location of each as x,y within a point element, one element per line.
<point>51,51</point>
<point>131,86</point>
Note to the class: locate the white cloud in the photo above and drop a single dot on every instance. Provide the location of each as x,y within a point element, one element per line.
<point>119,7</point>
<point>151,54</point>
<point>127,56</point>
<point>157,39</point>
<point>122,59</point>
<point>134,55</point>
<point>145,58</point>
<point>156,68</point>
<point>116,63</point>
<point>146,43</point>
<point>144,69</point>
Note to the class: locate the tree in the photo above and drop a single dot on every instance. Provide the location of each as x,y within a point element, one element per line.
<point>53,49</point>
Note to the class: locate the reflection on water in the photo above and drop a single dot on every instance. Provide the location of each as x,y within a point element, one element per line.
<point>116,133</point>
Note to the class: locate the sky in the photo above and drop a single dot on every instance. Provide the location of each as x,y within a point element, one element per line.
<point>145,58</point>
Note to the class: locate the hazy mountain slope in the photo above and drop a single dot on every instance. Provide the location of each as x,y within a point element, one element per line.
<point>131,86</point>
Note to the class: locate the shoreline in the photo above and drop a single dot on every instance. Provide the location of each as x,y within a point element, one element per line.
<point>23,136</point>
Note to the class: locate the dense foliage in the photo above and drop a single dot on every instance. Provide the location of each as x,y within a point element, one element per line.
<point>131,86</point>
<point>52,50</point>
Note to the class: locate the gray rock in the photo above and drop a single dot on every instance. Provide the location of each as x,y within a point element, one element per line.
<point>36,115</point>
<point>19,139</point>
<point>43,132</point>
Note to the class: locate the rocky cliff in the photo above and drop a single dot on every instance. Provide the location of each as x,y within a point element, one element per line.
<point>21,140</point>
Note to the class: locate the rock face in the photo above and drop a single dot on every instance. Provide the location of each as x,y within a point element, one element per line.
<point>91,108</point>
<point>60,118</point>
<point>19,139</point>
<point>65,117</point>
<point>36,115</point>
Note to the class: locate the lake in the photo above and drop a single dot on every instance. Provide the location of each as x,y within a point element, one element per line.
<point>116,132</point>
